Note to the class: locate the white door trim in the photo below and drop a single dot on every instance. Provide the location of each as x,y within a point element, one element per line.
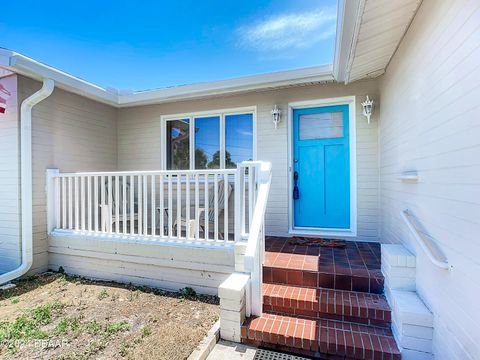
<point>352,231</point>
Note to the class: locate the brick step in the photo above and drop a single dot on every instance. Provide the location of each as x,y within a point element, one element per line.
<point>307,274</point>
<point>320,338</point>
<point>357,307</point>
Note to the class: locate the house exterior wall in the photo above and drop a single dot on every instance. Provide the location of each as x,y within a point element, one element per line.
<point>71,133</point>
<point>9,179</point>
<point>429,123</point>
<point>139,146</point>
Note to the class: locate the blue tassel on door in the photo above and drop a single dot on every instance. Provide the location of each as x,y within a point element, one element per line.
<point>296,191</point>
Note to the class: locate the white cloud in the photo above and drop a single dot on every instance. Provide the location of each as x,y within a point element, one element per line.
<point>289,31</point>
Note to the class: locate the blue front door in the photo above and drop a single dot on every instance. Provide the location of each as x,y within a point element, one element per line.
<point>321,167</point>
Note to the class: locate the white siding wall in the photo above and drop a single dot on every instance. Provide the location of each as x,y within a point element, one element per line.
<point>156,264</point>
<point>430,122</point>
<point>71,133</point>
<point>9,180</point>
<point>139,144</point>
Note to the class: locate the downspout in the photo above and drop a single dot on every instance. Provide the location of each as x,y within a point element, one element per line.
<point>26,179</point>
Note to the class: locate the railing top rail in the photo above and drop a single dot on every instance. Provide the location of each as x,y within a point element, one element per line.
<point>150,172</point>
<point>251,163</point>
<point>434,253</point>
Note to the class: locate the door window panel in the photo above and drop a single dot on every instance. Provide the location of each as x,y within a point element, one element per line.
<point>325,125</point>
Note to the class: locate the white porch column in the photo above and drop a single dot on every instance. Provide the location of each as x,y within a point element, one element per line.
<point>232,293</point>
<point>52,198</point>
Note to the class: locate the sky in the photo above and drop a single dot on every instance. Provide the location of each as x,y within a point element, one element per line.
<point>140,45</point>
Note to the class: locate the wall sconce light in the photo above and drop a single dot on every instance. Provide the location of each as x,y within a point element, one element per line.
<point>276,114</point>
<point>367,108</point>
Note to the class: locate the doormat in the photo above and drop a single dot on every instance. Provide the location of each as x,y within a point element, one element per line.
<point>331,243</point>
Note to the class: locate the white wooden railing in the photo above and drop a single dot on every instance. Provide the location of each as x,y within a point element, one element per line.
<point>206,206</point>
<point>255,251</point>
<point>195,205</point>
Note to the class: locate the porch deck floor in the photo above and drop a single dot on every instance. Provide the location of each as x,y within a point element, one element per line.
<point>356,259</point>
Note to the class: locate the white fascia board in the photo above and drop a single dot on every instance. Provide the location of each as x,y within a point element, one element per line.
<point>33,69</point>
<point>248,83</point>
<point>348,15</point>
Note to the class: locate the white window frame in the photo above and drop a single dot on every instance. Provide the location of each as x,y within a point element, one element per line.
<point>333,232</point>
<point>221,113</point>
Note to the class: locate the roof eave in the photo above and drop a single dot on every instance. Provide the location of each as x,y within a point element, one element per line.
<point>348,19</point>
<point>31,68</point>
<point>314,74</point>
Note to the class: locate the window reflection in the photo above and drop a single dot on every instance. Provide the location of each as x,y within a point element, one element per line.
<point>238,139</point>
<point>178,145</point>
<point>207,142</point>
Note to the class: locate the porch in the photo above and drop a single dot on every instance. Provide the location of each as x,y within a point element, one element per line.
<point>168,229</point>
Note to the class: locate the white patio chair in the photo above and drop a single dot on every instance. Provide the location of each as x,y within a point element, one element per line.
<point>108,213</point>
<point>199,222</point>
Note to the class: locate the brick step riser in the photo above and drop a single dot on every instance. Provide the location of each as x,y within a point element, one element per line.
<point>317,355</point>
<point>327,348</point>
<point>315,315</point>
<point>317,280</point>
<point>372,315</point>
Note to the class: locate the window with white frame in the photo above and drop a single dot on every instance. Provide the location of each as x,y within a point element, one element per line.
<point>217,140</point>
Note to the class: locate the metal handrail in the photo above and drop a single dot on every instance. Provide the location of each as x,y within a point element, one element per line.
<point>434,253</point>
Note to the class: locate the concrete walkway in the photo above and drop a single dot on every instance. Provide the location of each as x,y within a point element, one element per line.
<point>224,350</point>
<point>231,351</point>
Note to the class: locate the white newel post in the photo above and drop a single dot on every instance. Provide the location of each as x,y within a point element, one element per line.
<point>52,199</point>
<point>241,293</point>
<point>240,241</point>
<point>237,205</point>
<point>233,294</point>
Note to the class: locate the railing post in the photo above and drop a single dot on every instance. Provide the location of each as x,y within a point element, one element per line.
<point>52,197</point>
<point>238,205</point>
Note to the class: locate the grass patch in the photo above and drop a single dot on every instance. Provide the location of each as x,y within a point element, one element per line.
<point>103,295</point>
<point>93,327</point>
<point>28,325</point>
<point>116,327</point>
<point>70,323</point>
<point>14,300</point>
<point>124,349</point>
<point>188,292</point>
<point>42,315</point>
<point>146,331</point>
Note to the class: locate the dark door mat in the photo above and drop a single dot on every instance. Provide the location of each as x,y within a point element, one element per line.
<point>307,241</point>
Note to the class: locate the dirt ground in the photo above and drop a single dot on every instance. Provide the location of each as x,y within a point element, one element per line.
<point>55,316</point>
